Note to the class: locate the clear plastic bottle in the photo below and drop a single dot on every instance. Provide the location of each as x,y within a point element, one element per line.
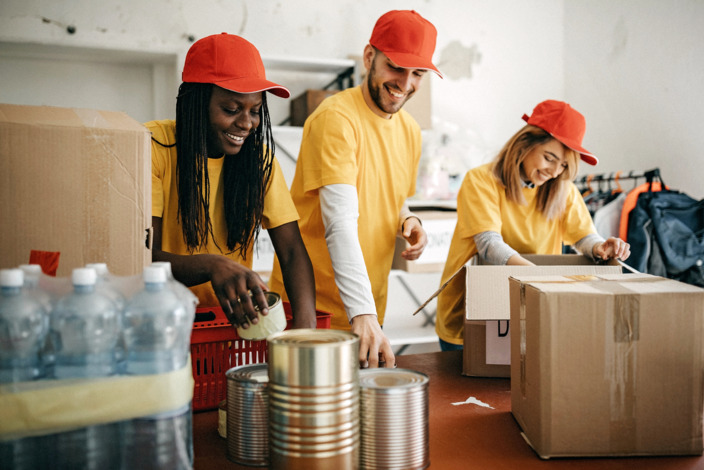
<point>23,328</point>
<point>107,284</point>
<point>32,276</point>
<point>86,327</point>
<point>188,298</point>
<point>33,287</point>
<point>157,334</point>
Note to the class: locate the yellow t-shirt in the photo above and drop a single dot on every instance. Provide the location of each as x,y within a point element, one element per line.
<point>278,206</point>
<point>482,206</point>
<point>344,142</point>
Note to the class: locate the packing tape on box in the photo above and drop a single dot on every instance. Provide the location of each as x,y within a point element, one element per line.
<point>50,406</point>
<point>620,369</point>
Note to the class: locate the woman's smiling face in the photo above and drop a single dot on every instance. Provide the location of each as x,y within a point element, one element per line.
<point>233,117</point>
<point>544,162</point>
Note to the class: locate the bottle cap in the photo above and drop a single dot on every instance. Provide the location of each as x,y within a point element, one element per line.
<point>31,268</point>
<point>153,274</point>
<point>166,265</point>
<point>100,268</point>
<point>83,276</point>
<point>11,277</point>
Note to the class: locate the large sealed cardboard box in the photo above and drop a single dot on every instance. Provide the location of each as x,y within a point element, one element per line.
<point>487,332</point>
<point>607,365</point>
<point>77,182</point>
<point>439,226</point>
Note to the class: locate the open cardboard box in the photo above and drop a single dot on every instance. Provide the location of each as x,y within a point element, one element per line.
<point>487,334</point>
<point>77,182</point>
<point>607,365</point>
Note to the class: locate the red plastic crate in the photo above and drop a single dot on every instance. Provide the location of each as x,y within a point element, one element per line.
<point>216,347</point>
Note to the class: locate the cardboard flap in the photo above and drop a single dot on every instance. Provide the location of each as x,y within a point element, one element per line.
<point>459,274</point>
<point>488,289</point>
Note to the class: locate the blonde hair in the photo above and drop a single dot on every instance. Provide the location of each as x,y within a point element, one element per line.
<point>552,196</point>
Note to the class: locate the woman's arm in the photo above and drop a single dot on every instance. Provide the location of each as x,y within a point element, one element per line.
<point>492,248</point>
<point>297,272</point>
<point>231,281</point>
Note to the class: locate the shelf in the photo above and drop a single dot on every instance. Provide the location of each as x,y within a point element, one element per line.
<point>312,65</point>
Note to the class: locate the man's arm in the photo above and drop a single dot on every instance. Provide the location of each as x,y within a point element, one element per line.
<point>339,207</point>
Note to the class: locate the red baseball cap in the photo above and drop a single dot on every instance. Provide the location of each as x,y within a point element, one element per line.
<point>564,123</point>
<point>406,38</point>
<point>230,62</point>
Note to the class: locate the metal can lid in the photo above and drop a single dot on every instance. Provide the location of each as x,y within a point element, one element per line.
<point>310,337</point>
<point>383,379</point>
<point>254,373</point>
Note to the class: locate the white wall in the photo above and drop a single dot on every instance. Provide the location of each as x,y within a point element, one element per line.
<point>635,68</point>
<point>486,49</point>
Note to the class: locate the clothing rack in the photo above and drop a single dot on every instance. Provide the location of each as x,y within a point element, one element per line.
<point>616,177</point>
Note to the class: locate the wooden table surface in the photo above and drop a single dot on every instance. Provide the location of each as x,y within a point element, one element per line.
<point>464,436</point>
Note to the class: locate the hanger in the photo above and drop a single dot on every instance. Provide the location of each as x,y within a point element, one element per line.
<point>618,188</point>
<point>589,189</point>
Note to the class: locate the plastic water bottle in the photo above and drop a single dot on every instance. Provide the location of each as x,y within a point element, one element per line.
<point>32,275</point>
<point>187,297</point>
<point>157,334</point>
<point>23,328</point>
<point>33,287</point>
<point>106,284</point>
<point>86,326</point>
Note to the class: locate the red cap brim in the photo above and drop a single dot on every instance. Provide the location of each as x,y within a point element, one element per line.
<point>252,85</point>
<point>412,61</point>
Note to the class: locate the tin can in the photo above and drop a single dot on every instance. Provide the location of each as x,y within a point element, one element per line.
<point>314,399</point>
<point>247,415</point>
<point>394,419</point>
<point>273,322</point>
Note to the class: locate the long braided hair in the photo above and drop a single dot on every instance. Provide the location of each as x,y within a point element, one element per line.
<point>245,176</point>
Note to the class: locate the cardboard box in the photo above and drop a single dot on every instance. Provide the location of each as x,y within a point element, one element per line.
<point>439,226</point>
<point>487,348</point>
<point>486,298</point>
<point>74,181</point>
<point>303,105</point>
<point>610,365</point>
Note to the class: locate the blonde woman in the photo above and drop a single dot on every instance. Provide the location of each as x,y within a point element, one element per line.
<point>523,202</point>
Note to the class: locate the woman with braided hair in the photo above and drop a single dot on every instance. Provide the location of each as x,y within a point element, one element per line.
<point>216,182</point>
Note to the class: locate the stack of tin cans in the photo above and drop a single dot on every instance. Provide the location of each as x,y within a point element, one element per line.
<point>312,407</point>
<point>394,419</point>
